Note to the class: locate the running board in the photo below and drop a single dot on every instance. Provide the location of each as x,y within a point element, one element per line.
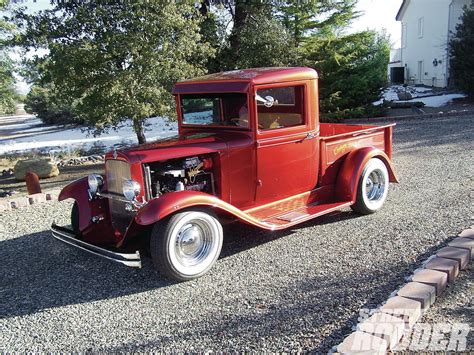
<point>306,213</point>
<point>67,236</point>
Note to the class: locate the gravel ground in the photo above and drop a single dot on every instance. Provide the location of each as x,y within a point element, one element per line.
<point>300,289</point>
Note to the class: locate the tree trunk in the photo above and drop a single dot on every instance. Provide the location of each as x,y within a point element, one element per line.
<point>140,132</point>
<point>241,13</point>
<point>204,8</point>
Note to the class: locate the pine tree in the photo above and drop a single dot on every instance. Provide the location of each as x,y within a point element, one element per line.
<point>462,53</point>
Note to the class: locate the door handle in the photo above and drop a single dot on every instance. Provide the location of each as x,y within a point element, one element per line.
<point>309,135</point>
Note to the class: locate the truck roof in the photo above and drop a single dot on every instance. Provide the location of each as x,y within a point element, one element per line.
<point>240,80</point>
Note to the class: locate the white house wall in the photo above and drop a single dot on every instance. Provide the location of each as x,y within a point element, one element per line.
<point>439,19</point>
<point>432,44</point>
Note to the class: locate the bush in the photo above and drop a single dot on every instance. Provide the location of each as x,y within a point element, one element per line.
<point>42,102</point>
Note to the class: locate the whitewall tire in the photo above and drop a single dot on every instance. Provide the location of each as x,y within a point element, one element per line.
<point>186,245</point>
<point>372,189</point>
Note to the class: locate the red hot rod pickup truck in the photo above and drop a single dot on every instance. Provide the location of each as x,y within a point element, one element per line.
<point>250,147</point>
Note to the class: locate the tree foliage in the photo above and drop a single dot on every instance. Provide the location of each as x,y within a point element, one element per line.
<point>117,60</point>
<point>353,69</point>
<point>8,95</point>
<point>462,53</point>
<point>109,61</point>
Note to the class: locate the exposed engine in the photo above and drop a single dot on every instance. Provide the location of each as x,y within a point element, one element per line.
<point>192,173</point>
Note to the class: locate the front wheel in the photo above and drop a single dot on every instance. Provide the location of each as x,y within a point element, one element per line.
<point>373,187</point>
<point>186,245</point>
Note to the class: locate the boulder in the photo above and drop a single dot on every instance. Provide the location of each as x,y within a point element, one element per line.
<point>404,95</point>
<point>44,168</point>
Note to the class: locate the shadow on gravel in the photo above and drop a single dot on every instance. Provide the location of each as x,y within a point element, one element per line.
<point>310,304</point>
<point>38,272</point>
<point>239,237</point>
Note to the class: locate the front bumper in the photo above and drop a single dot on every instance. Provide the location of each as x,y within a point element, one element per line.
<point>67,236</point>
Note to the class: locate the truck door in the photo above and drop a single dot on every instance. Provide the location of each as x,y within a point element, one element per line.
<point>287,141</point>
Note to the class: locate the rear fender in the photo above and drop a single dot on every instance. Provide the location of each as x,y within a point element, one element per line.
<point>159,208</point>
<point>351,169</point>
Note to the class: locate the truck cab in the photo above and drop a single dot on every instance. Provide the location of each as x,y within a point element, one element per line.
<point>250,148</point>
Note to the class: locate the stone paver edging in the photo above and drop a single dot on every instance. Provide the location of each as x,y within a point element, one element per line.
<point>385,328</point>
<point>24,201</point>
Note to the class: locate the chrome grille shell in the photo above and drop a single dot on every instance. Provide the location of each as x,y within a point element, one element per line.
<point>116,172</point>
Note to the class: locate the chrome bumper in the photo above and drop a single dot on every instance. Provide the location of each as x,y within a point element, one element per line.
<point>67,236</point>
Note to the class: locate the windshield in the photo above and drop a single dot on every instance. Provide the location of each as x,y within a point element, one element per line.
<point>215,110</point>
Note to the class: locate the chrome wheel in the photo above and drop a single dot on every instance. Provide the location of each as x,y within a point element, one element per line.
<point>193,243</point>
<point>373,187</point>
<point>186,245</point>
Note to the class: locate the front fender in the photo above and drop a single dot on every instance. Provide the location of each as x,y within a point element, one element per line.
<point>351,169</point>
<point>77,190</point>
<point>172,202</point>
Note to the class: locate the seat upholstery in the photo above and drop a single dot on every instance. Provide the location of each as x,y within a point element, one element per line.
<point>275,120</point>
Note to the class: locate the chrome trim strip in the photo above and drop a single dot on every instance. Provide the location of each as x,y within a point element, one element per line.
<point>66,236</point>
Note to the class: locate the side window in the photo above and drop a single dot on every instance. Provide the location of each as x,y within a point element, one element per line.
<point>280,107</point>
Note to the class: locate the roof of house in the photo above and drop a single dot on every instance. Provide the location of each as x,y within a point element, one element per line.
<point>239,80</point>
<point>402,7</point>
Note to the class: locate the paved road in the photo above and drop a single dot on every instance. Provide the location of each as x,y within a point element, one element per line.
<point>294,290</point>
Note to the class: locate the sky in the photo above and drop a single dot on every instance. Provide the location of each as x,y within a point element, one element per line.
<point>380,15</point>
<point>375,14</point>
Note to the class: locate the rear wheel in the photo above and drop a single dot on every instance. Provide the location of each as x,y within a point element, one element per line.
<point>373,187</point>
<point>186,245</point>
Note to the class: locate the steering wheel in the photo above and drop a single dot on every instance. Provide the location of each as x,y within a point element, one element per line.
<point>236,121</point>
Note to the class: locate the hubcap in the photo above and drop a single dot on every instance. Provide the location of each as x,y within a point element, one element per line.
<point>375,185</point>
<point>193,243</point>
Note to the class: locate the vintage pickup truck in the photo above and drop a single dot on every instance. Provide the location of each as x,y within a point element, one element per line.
<point>251,149</point>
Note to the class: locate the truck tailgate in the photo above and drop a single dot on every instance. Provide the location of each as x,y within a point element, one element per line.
<point>338,140</point>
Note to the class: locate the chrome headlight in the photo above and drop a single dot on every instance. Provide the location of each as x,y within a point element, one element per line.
<point>95,182</point>
<point>131,189</point>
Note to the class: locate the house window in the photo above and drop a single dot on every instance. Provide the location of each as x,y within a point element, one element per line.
<point>420,27</point>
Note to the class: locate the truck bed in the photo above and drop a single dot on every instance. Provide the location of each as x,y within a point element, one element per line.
<point>338,140</point>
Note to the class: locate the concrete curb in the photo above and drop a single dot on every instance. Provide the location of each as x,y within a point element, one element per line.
<point>387,326</point>
<point>24,201</point>
<point>413,117</point>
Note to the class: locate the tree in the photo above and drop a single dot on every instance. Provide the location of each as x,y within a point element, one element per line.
<point>462,53</point>
<point>8,95</point>
<point>304,19</point>
<point>257,37</point>
<point>353,69</point>
<point>117,60</point>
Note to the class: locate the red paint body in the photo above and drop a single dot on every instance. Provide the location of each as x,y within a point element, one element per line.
<point>259,174</point>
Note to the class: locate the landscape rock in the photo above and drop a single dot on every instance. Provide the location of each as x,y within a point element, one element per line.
<point>404,95</point>
<point>44,168</point>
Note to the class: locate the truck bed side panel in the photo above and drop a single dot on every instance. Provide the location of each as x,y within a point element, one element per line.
<point>344,139</point>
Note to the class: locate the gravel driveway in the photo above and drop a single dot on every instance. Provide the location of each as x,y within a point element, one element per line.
<point>295,290</point>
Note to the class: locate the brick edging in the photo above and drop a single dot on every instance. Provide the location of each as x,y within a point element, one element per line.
<point>413,117</point>
<point>24,201</point>
<point>384,330</point>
